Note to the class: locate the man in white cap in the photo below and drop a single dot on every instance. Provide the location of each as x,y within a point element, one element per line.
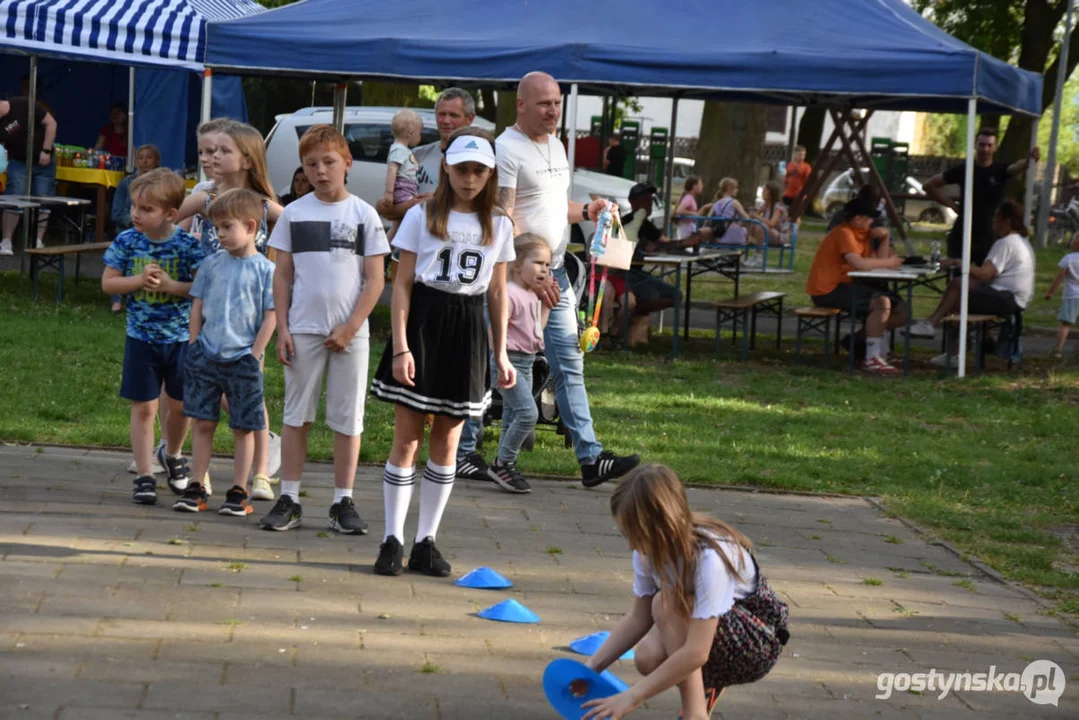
<point>533,179</point>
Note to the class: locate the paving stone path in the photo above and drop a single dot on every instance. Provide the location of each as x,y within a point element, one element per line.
<point>112,610</point>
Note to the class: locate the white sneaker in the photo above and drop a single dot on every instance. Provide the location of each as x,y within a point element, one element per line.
<point>5,248</point>
<point>155,466</point>
<point>260,487</point>
<point>274,464</point>
<point>921,329</point>
<point>753,262</point>
<point>943,362</point>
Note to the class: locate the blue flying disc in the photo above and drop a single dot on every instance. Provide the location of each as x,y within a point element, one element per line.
<point>589,644</point>
<point>509,611</point>
<point>483,578</point>
<point>561,673</point>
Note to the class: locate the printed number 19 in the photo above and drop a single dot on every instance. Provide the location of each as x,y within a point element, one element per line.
<point>469,262</point>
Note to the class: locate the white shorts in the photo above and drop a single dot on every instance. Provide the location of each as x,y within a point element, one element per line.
<point>346,383</point>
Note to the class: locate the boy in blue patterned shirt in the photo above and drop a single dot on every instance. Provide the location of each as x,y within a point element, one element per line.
<point>154,263</point>
<point>232,321</point>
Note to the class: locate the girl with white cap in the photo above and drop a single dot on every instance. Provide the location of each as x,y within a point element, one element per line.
<point>453,252</point>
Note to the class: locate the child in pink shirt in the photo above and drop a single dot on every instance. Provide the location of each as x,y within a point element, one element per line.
<point>524,340</point>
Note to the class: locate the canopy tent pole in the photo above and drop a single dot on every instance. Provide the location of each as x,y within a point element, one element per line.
<point>668,180</point>
<point>130,119</point>
<point>205,111</point>
<point>31,161</point>
<point>565,111</point>
<point>340,97</point>
<point>572,149</point>
<point>1051,159</point>
<point>1032,176</point>
<point>968,216</point>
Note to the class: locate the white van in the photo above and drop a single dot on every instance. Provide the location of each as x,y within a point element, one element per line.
<point>369,138</point>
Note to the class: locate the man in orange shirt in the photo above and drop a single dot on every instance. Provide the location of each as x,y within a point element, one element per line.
<point>797,173</point>
<point>847,248</point>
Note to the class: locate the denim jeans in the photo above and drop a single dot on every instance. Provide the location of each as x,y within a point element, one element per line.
<point>563,353</point>
<point>519,411</point>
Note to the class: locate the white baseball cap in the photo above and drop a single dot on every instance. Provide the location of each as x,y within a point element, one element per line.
<point>470,148</point>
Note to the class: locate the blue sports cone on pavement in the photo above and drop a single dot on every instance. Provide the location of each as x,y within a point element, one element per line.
<point>509,611</point>
<point>484,578</point>
<point>589,644</point>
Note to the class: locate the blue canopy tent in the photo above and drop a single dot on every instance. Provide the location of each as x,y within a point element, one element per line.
<point>874,54</point>
<point>162,43</point>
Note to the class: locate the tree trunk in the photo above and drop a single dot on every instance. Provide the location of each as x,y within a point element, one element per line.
<point>391,94</point>
<point>732,135</point>
<point>810,130</point>
<point>507,110</point>
<point>489,109</point>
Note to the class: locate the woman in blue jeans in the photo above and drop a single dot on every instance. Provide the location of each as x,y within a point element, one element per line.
<point>524,340</point>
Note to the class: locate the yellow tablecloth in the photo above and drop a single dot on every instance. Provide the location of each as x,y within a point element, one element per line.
<point>90,176</point>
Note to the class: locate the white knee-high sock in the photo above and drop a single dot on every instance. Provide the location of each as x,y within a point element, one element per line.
<point>397,484</point>
<point>434,494</point>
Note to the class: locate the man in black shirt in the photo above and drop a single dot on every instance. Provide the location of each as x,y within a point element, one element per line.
<point>614,155</point>
<point>13,116</point>
<point>990,179</point>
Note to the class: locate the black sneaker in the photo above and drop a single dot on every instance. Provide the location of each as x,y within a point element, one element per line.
<point>193,500</point>
<point>145,490</point>
<point>237,503</point>
<point>391,554</point>
<point>345,519</point>
<point>284,515</point>
<point>425,558</point>
<point>508,477</point>
<point>473,467</point>
<point>176,470</point>
<point>607,467</point>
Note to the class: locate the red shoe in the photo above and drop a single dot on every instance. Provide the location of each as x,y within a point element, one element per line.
<point>879,366</point>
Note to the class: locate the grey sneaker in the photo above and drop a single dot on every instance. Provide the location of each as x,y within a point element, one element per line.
<point>508,477</point>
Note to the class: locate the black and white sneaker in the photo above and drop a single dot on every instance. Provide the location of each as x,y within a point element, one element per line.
<point>284,515</point>
<point>425,558</point>
<point>391,556</point>
<point>473,467</point>
<point>145,490</point>
<point>607,467</point>
<point>508,477</point>
<point>176,470</point>
<point>344,518</point>
<point>193,500</point>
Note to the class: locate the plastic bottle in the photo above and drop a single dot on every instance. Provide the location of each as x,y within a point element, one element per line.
<point>934,253</point>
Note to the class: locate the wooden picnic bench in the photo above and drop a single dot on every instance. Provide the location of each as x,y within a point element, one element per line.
<point>53,257</point>
<point>742,311</point>
<point>981,324</point>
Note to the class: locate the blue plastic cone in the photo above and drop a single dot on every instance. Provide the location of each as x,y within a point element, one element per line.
<point>484,578</point>
<point>558,680</point>
<point>509,611</point>
<point>589,644</point>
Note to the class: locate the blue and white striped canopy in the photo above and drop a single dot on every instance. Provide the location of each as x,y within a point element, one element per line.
<point>136,32</point>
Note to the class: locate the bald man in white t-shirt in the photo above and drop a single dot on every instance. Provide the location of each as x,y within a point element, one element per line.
<point>534,180</point>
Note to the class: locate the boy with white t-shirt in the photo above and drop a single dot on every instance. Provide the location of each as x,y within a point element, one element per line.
<point>329,275</point>
<point>1069,301</point>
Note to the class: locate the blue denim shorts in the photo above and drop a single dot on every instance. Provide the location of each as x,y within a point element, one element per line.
<point>1069,309</point>
<point>239,380</point>
<point>148,365</point>
<point>44,179</point>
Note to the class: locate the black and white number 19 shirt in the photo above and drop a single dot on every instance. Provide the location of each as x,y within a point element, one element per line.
<point>328,243</point>
<point>461,264</point>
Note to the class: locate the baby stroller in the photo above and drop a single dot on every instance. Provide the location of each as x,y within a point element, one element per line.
<point>542,382</point>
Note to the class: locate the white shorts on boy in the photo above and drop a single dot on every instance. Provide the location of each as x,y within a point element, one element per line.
<point>346,382</point>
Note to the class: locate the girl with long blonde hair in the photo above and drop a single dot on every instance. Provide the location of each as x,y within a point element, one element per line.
<point>703,618</point>
<point>453,252</point>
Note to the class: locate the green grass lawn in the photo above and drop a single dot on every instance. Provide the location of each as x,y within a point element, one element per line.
<point>988,464</point>
<point>1041,313</point>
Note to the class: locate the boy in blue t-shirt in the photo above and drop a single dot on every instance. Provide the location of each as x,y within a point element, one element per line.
<point>232,321</point>
<point>154,263</point>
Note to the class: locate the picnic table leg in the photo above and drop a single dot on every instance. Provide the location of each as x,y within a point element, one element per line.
<point>719,327</point>
<point>906,336</point>
<point>853,319</point>
<point>60,281</point>
<point>779,324</point>
<point>689,288</point>
<point>745,335</point>
<point>99,221</point>
<point>753,329</point>
<point>33,275</point>
<point>827,338</point>
<point>677,307</point>
<point>798,342</point>
<point>625,309</point>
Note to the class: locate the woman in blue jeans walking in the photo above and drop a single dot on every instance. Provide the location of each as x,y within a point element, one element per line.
<point>524,340</point>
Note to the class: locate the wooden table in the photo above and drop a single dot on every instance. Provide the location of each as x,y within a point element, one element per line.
<point>907,277</point>
<point>725,262</point>
<point>103,181</point>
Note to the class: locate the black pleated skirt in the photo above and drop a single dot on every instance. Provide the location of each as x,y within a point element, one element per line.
<point>447,335</point>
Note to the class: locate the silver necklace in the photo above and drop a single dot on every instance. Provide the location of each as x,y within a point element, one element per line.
<point>547,158</point>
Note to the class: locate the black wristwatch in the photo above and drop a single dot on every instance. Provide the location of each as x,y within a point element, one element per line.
<point>47,151</point>
<point>584,213</point>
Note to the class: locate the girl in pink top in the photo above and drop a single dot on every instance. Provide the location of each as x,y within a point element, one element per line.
<point>524,340</point>
<point>687,206</point>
